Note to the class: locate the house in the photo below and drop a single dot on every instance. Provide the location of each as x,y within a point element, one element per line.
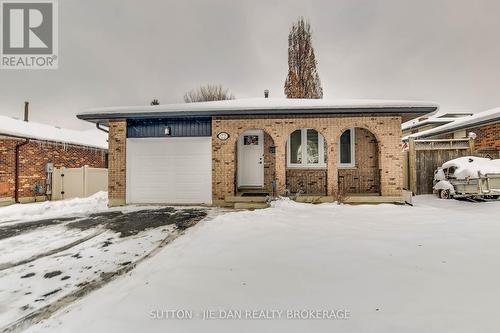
<point>430,121</point>
<point>212,151</point>
<point>27,147</point>
<point>483,127</point>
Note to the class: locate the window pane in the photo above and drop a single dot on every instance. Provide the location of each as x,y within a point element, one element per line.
<point>296,147</point>
<point>312,147</point>
<point>345,147</point>
<point>325,150</point>
<point>251,140</point>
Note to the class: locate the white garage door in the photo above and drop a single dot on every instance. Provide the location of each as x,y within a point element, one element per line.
<point>169,170</point>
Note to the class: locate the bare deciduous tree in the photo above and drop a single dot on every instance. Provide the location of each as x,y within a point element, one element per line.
<point>155,102</point>
<point>208,93</point>
<point>303,78</point>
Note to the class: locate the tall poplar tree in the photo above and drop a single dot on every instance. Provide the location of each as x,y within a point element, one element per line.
<point>303,78</point>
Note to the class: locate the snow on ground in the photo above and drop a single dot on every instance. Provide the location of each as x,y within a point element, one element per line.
<point>428,268</point>
<point>27,245</point>
<point>50,250</point>
<point>50,209</point>
<point>21,293</point>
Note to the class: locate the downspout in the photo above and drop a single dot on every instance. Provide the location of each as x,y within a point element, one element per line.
<point>98,126</point>
<point>106,155</point>
<point>16,190</point>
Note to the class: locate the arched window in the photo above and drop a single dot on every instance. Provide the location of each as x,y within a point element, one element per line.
<point>306,148</point>
<point>347,149</point>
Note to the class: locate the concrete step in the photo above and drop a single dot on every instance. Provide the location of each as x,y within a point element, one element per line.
<point>373,199</point>
<point>250,205</point>
<point>234,199</point>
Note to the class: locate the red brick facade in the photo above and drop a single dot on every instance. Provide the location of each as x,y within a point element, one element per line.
<point>384,130</point>
<point>378,142</point>
<point>33,157</point>
<point>487,142</point>
<point>117,176</point>
<point>488,137</point>
<point>364,177</point>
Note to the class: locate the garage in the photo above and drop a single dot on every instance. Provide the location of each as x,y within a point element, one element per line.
<point>171,170</point>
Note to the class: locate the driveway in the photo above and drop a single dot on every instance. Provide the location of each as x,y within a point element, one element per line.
<point>47,263</point>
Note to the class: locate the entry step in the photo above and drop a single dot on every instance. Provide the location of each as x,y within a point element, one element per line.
<point>250,205</point>
<point>235,199</point>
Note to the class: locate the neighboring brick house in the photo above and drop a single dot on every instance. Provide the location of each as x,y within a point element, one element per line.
<point>430,121</point>
<point>485,127</point>
<point>212,152</point>
<point>27,147</point>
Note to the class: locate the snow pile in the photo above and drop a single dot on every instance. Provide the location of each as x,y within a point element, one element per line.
<point>444,185</point>
<point>439,175</point>
<point>469,166</point>
<point>90,138</point>
<point>50,209</point>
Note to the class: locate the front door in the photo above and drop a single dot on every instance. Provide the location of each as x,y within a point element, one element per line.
<point>251,159</point>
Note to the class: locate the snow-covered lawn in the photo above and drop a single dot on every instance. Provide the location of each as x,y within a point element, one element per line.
<point>429,268</point>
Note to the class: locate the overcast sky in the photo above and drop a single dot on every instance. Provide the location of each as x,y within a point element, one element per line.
<point>123,52</point>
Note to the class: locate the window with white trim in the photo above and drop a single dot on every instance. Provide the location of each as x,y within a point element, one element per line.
<point>306,148</point>
<point>347,149</point>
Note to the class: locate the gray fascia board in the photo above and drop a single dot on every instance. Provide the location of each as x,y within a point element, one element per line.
<point>97,117</point>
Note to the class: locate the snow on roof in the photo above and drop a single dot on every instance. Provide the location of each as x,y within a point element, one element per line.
<point>460,123</point>
<point>256,104</point>
<point>90,138</point>
<point>441,117</point>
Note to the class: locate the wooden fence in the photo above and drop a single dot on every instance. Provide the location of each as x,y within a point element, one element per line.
<point>425,156</point>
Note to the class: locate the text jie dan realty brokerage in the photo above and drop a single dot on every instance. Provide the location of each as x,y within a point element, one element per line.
<point>338,314</point>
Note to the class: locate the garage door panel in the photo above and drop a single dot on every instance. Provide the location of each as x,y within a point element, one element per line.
<point>169,170</point>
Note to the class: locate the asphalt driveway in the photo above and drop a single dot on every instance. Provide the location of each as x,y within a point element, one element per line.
<point>47,263</point>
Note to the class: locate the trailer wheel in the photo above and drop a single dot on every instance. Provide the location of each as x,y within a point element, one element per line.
<point>444,194</point>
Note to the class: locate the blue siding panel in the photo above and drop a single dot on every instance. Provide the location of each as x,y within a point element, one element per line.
<point>153,128</point>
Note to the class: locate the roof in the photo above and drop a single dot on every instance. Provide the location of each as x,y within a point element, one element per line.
<point>477,119</point>
<point>22,129</point>
<point>441,117</point>
<point>258,106</point>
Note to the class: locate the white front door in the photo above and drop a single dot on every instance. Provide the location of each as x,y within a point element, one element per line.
<point>251,159</point>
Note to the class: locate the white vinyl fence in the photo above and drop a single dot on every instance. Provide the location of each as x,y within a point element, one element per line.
<point>78,182</point>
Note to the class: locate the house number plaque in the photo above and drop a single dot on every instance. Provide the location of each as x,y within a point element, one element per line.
<point>223,136</point>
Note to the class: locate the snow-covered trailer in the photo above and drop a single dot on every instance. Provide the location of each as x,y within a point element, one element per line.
<point>468,177</point>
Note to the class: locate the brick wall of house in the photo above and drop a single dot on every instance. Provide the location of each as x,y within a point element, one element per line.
<point>7,168</point>
<point>269,163</point>
<point>364,177</point>
<point>32,160</point>
<point>487,142</point>
<point>306,181</point>
<point>117,162</point>
<point>488,136</point>
<point>386,128</point>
